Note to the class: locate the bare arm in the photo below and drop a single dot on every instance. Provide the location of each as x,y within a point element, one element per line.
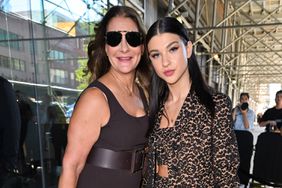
<point>90,114</point>
<point>267,122</point>
<point>245,118</point>
<point>265,119</point>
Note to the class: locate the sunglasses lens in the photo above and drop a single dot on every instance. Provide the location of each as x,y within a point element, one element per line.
<point>134,39</point>
<point>113,38</point>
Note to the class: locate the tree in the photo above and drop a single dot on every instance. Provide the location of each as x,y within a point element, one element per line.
<point>80,74</point>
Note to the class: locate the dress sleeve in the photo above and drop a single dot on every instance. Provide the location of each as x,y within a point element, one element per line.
<point>149,168</point>
<point>224,147</point>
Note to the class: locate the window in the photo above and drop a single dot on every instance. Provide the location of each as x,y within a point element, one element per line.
<point>12,63</point>
<point>54,54</point>
<point>6,36</point>
<point>58,76</point>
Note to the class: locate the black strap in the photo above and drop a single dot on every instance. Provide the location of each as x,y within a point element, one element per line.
<point>143,98</point>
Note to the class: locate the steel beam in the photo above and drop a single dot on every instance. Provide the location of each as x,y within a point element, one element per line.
<point>177,7</point>
<point>239,26</point>
<point>222,21</point>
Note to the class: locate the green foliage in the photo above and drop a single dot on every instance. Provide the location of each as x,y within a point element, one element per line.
<point>80,75</point>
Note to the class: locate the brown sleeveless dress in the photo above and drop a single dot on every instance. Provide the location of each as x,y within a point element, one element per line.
<point>122,132</point>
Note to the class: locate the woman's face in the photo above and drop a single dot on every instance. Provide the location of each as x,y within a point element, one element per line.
<point>169,56</point>
<point>124,56</point>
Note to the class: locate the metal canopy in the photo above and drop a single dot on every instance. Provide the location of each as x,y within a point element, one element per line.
<point>242,39</point>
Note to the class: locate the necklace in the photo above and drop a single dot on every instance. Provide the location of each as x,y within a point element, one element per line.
<point>172,111</point>
<point>170,115</point>
<point>126,89</point>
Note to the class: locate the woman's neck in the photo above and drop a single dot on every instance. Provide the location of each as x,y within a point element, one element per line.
<point>180,89</point>
<point>125,82</point>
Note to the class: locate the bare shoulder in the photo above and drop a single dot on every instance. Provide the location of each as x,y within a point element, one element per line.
<point>92,104</point>
<point>93,96</point>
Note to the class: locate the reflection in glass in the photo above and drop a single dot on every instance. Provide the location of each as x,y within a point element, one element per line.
<point>43,53</point>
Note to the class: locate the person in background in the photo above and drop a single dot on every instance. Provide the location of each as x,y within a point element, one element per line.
<point>191,142</point>
<point>243,116</point>
<point>272,117</point>
<point>57,126</point>
<point>107,131</point>
<point>26,115</point>
<point>10,127</point>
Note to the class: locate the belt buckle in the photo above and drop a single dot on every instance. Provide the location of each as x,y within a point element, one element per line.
<point>137,160</point>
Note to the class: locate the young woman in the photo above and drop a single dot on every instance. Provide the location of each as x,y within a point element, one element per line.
<point>107,131</point>
<point>191,142</point>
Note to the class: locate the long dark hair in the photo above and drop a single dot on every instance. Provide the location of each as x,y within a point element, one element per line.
<point>159,89</point>
<point>98,63</point>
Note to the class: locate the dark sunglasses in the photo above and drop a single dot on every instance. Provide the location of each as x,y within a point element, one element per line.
<point>133,38</point>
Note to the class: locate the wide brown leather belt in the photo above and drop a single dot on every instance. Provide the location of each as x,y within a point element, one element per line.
<point>131,160</point>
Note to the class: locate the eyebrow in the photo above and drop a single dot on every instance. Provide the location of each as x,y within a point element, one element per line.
<point>168,46</point>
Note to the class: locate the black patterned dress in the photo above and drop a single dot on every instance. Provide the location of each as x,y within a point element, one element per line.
<point>199,151</point>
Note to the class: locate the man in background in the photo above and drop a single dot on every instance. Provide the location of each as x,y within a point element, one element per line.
<point>10,127</point>
<point>272,117</point>
<point>243,116</point>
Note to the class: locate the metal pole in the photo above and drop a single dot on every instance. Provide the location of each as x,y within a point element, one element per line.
<point>176,8</point>
<point>230,15</point>
<point>212,44</point>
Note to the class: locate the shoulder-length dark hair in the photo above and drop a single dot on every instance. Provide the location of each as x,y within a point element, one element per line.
<point>98,63</point>
<point>159,89</point>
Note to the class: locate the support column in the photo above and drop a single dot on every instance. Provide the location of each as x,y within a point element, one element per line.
<point>150,12</point>
<point>223,81</point>
<point>212,44</point>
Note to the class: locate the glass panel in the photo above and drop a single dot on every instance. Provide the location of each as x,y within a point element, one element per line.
<point>43,54</point>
